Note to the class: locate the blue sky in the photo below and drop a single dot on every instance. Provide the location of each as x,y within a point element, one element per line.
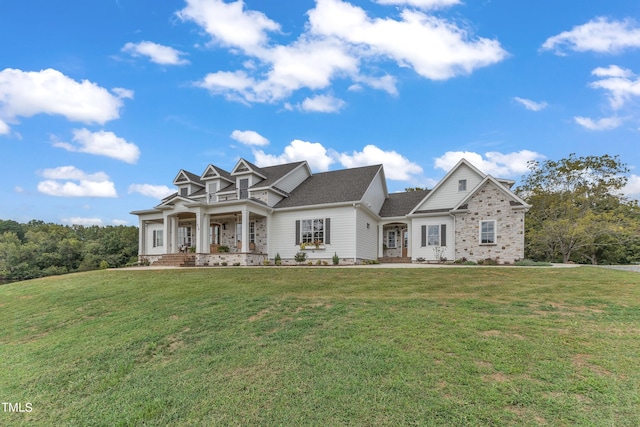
<point>103,102</point>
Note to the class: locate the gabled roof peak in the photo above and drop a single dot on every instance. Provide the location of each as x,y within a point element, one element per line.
<point>244,166</point>
<point>213,172</point>
<point>186,177</point>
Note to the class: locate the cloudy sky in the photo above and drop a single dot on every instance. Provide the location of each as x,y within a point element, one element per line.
<point>102,102</point>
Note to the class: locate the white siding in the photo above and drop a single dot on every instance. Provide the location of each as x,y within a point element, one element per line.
<point>427,252</point>
<point>282,233</point>
<point>375,195</point>
<point>447,195</point>
<point>295,178</point>
<point>366,236</point>
<point>149,249</point>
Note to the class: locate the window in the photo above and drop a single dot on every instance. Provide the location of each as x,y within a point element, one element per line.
<point>184,236</point>
<point>433,235</point>
<point>158,238</point>
<point>244,188</point>
<point>488,232</point>
<point>252,232</point>
<point>462,185</point>
<point>392,239</point>
<point>313,230</point>
<point>212,188</point>
<point>184,192</point>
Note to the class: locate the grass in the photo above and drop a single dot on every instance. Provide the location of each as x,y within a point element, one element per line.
<point>323,346</point>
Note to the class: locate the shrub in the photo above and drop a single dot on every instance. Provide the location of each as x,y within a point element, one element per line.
<point>223,248</point>
<point>300,257</point>
<point>224,263</point>
<point>266,262</point>
<point>336,259</point>
<point>278,260</point>
<point>104,265</point>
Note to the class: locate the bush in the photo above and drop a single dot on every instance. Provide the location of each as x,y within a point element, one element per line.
<point>104,265</point>
<point>300,257</point>
<point>336,259</point>
<point>278,260</point>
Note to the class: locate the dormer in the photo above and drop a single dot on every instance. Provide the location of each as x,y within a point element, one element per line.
<point>215,180</point>
<point>246,175</point>
<point>187,183</point>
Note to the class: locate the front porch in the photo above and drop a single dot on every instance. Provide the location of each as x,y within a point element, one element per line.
<point>233,235</point>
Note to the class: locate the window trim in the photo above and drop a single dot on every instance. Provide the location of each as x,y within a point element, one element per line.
<point>395,239</point>
<point>494,232</point>
<point>436,235</point>
<point>158,238</point>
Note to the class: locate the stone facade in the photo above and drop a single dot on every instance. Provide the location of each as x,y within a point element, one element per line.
<point>490,203</point>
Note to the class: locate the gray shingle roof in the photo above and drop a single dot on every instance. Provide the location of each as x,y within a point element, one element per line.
<point>346,185</point>
<point>400,204</point>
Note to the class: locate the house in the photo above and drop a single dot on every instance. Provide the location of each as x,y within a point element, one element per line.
<point>251,214</point>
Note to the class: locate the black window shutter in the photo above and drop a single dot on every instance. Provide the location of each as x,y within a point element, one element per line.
<point>297,232</point>
<point>424,236</point>
<point>443,235</point>
<point>327,231</point>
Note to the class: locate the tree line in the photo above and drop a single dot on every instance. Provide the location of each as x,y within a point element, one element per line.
<point>38,249</point>
<point>579,212</point>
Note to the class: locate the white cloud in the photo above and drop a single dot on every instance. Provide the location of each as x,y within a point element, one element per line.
<point>531,105</point>
<point>4,128</point>
<point>422,4</point>
<point>155,191</point>
<point>620,83</point>
<point>163,55</point>
<point>27,93</point>
<point>103,144</point>
<point>249,137</point>
<point>76,220</point>
<point>606,123</point>
<point>396,166</point>
<point>612,71</point>
<point>339,41</point>
<point>598,35</point>
<point>304,64</point>
<point>229,23</point>
<point>322,104</point>
<point>119,222</point>
<point>313,152</point>
<point>452,51</point>
<point>633,186</point>
<point>493,163</point>
<point>386,83</point>
<point>60,182</point>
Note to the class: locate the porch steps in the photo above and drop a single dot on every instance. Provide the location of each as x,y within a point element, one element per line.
<point>394,260</point>
<point>177,260</point>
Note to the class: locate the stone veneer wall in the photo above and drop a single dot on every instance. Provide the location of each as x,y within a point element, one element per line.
<point>490,203</point>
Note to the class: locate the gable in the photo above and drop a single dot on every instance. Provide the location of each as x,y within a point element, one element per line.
<point>245,167</point>
<point>446,194</point>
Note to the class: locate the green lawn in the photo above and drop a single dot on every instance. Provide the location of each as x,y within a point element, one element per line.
<point>323,346</point>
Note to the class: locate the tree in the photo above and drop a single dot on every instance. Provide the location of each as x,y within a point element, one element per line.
<point>578,209</point>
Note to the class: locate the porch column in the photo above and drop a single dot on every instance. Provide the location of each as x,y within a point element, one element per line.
<point>199,233</point>
<point>173,245</point>
<point>166,231</point>
<point>245,230</point>
<point>142,237</point>
<point>380,240</point>
<point>409,240</point>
